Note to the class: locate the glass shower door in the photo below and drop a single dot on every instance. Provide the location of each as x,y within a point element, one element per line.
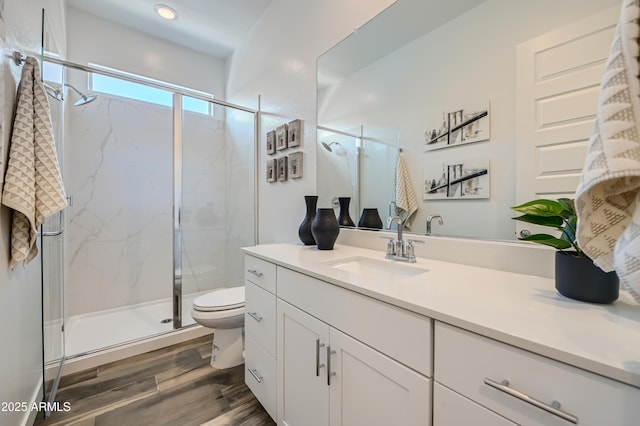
<point>218,197</point>
<point>118,162</point>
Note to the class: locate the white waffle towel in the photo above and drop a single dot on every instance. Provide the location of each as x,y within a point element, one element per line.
<point>33,185</point>
<point>406,202</point>
<point>608,196</point>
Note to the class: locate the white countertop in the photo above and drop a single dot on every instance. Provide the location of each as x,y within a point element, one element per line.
<point>522,310</point>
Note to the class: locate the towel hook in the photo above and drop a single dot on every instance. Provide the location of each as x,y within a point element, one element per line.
<point>19,58</point>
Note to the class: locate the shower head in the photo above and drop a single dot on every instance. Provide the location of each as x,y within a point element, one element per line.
<point>54,93</point>
<point>327,146</point>
<point>84,99</point>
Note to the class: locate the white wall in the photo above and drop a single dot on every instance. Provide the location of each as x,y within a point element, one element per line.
<point>278,62</point>
<point>20,295</point>
<point>95,40</point>
<point>468,60</point>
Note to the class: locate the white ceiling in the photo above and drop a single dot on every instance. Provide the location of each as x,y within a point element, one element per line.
<point>215,27</point>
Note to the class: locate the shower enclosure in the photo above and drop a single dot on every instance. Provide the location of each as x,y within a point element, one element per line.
<point>161,193</point>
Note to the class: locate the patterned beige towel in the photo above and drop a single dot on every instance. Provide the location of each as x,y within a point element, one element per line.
<point>406,202</point>
<point>608,196</point>
<point>33,185</point>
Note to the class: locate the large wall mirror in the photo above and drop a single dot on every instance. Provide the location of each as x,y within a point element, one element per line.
<point>417,71</point>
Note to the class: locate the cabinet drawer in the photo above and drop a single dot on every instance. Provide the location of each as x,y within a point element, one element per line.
<point>260,272</point>
<point>451,408</point>
<point>403,335</point>
<point>260,316</point>
<point>260,375</point>
<point>469,363</point>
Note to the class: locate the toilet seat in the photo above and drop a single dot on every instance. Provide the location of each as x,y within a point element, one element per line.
<point>220,300</point>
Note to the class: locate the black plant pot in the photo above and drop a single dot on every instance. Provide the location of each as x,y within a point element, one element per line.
<point>304,231</point>
<point>343,218</point>
<point>370,219</point>
<point>580,279</point>
<point>325,229</point>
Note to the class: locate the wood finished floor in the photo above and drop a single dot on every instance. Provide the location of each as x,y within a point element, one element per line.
<point>173,386</point>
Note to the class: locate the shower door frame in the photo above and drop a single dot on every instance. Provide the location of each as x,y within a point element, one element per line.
<point>178,93</point>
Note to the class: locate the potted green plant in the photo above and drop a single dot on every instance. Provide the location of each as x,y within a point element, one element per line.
<point>577,277</point>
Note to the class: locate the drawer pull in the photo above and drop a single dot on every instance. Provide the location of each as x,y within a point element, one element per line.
<point>255,272</point>
<point>554,408</point>
<point>255,375</point>
<point>255,316</point>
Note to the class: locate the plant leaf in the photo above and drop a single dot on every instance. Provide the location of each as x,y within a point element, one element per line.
<point>553,221</point>
<point>568,205</point>
<point>541,207</point>
<point>568,233</point>
<point>548,240</point>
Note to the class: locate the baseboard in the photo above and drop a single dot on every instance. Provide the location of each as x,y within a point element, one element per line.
<point>30,416</point>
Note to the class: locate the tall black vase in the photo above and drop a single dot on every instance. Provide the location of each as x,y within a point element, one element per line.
<point>343,218</point>
<point>325,229</point>
<point>304,231</point>
<point>580,279</point>
<point>370,219</point>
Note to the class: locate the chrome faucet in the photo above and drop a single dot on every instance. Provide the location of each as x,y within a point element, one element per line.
<point>397,250</point>
<point>430,218</point>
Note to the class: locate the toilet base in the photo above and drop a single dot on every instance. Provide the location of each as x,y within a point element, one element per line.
<point>228,348</point>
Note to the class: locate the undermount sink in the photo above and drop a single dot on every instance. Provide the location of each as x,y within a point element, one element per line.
<point>377,269</point>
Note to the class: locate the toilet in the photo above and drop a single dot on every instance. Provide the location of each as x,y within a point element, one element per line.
<point>223,310</point>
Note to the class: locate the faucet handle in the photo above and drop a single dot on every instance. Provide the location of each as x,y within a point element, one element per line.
<point>391,250</point>
<point>411,255</point>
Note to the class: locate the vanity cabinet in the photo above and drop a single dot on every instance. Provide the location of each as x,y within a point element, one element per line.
<point>260,331</point>
<point>318,354</point>
<point>345,358</point>
<point>523,387</point>
<point>329,378</point>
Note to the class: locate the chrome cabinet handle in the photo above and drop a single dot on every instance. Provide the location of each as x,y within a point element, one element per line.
<point>255,316</point>
<point>255,375</point>
<point>318,365</point>
<point>255,272</point>
<point>329,373</point>
<point>554,408</point>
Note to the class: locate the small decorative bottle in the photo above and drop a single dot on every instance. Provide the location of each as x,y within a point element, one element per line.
<point>304,231</point>
<point>343,218</point>
<point>325,229</point>
<point>370,219</point>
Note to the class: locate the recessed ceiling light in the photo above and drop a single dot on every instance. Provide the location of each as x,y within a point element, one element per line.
<point>167,12</point>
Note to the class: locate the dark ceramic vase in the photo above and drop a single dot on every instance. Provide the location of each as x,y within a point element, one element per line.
<point>370,219</point>
<point>343,218</point>
<point>580,279</point>
<point>304,231</point>
<point>325,229</point>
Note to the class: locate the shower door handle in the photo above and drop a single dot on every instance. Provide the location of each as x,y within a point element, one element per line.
<point>60,223</point>
<point>60,227</point>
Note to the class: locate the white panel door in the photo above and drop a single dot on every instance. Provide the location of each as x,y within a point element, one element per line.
<point>303,394</point>
<point>557,85</point>
<point>371,389</point>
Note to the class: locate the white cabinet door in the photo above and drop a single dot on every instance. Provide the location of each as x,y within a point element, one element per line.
<point>303,394</point>
<point>370,389</point>
<point>451,408</point>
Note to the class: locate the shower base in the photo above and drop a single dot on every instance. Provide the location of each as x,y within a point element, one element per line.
<point>106,336</point>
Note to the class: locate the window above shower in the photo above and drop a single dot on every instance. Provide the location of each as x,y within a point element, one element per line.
<point>127,89</point>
